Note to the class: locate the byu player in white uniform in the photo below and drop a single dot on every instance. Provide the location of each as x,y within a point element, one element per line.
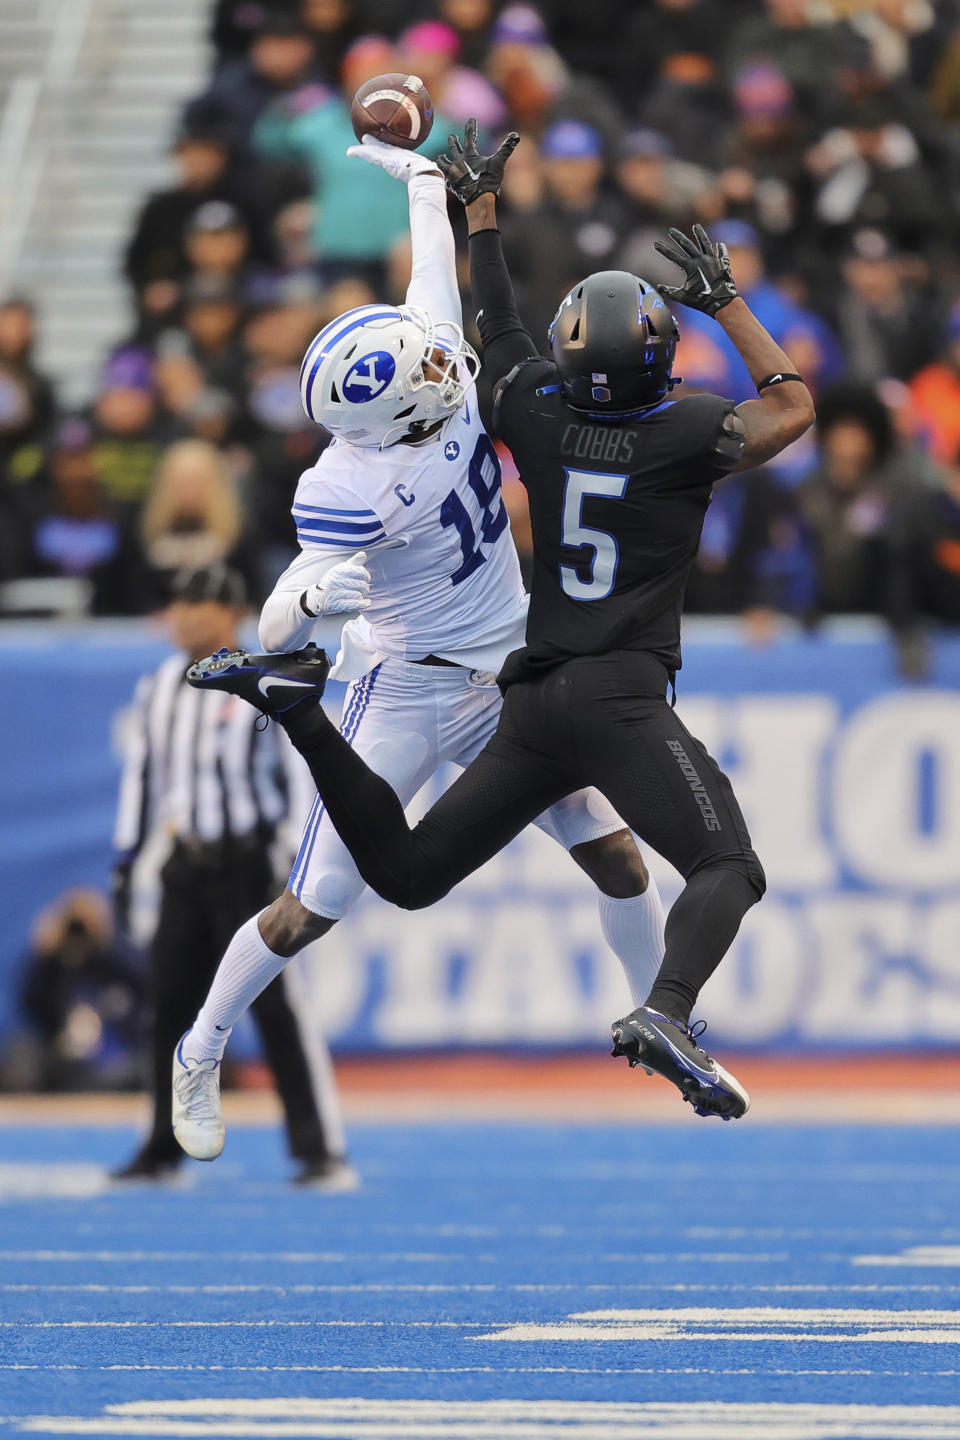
<point>411,482</point>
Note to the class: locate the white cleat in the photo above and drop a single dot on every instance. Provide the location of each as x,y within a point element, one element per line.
<point>197,1117</point>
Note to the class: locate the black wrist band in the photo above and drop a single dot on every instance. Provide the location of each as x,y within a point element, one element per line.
<point>777,378</point>
<point>303,607</point>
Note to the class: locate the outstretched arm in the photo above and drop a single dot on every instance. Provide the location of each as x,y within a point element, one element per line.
<point>506,341</point>
<point>475,179</point>
<point>785,407</point>
<point>433,275</point>
<point>433,278</point>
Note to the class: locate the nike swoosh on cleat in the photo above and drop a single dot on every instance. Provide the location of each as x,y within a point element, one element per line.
<point>691,1067</point>
<point>269,682</point>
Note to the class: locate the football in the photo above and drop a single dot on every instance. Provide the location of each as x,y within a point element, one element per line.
<point>395,108</point>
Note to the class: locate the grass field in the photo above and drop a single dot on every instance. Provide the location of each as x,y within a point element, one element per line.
<point>491,1279</point>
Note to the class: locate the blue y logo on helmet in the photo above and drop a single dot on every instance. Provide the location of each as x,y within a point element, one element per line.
<point>368,377</point>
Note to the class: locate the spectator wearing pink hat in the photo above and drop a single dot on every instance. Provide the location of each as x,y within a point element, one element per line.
<point>431,50</point>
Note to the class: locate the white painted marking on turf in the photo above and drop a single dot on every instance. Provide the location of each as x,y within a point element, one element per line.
<point>940,1256</point>
<point>341,1419</point>
<point>764,1323</point>
<point>238,1324</point>
<point>51,1182</point>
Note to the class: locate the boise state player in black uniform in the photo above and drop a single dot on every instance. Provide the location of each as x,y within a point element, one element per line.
<point>619,477</point>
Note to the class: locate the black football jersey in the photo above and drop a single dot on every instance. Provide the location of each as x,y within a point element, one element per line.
<point>616,514</point>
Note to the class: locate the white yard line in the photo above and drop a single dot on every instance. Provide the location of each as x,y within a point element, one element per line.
<point>508,1420</point>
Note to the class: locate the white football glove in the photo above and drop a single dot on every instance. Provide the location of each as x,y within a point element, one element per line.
<point>344,589</point>
<point>401,164</point>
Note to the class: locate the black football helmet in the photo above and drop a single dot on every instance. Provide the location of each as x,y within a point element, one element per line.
<point>614,340</point>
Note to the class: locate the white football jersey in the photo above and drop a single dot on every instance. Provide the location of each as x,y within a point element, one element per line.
<point>452,585</point>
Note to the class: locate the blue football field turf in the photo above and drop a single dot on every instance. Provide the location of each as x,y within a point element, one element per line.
<point>700,1282</point>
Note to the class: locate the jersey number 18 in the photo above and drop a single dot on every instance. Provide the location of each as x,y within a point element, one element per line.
<point>493,518</point>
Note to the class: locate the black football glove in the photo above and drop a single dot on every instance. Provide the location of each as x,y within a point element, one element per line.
<point>468,173</point>
<point>709,284</point>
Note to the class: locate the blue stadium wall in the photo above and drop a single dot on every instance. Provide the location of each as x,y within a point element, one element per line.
<point>850,780</point>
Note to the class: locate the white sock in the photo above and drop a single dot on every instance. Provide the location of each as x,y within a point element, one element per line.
<point>247,967</point>
<point>633,928</point>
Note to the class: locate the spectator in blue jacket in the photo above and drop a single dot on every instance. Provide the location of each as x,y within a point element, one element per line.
<point>360,210</point>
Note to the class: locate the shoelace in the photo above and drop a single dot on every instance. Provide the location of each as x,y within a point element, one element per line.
<point>692,1032</point>
<point>195,1090</point>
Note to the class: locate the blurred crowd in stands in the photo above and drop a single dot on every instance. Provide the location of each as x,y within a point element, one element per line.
<point>820,141</point>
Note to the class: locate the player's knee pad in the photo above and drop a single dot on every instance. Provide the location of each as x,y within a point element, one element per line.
<point>579,819</point>
<point>331,893</point>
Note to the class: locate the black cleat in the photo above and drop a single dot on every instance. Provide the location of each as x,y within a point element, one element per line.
<point>272,683</point>
<point>668,1048</point>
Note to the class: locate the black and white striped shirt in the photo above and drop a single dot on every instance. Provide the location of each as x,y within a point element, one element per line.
<point>197,764</point>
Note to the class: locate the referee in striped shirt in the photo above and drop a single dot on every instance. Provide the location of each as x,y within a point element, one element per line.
<point>200,767</point>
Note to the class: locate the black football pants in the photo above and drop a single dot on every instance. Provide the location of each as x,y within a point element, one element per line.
<point>205,898</point>
<point>598,720</point>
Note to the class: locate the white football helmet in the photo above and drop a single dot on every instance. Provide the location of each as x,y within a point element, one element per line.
<point>372,378</point>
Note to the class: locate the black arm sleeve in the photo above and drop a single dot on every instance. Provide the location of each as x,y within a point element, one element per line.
<point>506,343</point>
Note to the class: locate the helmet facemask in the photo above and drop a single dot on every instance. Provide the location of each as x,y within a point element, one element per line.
<point>433,383</point>
<point>382,374</point>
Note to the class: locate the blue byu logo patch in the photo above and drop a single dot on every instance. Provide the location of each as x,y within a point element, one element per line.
<point>369,377</point>
<point>451,450</point>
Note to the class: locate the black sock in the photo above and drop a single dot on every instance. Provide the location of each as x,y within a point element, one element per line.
<point>365,810</point>
<point>306,722</point>
<point>701,927</point>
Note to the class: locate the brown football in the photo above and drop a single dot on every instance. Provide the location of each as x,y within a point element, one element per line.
<point>395,108</point>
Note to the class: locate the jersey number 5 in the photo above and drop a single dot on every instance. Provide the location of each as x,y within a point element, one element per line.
<point>581,485</point>
<point>493,518</point>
